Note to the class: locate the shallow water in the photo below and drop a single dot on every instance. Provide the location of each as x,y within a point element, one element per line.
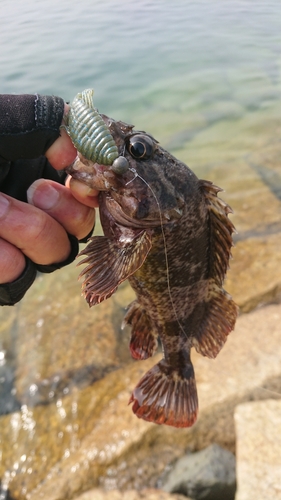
<point>205,79</point>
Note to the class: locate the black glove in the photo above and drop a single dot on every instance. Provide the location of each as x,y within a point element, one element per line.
<point>29,124</point>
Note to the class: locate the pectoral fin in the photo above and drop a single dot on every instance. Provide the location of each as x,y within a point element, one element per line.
<point>109,264</point>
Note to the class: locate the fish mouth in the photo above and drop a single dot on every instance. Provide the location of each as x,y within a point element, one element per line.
<point>103,179</point>
<point>95,175</point>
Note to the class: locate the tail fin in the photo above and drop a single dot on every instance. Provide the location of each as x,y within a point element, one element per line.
<point>166,396</point>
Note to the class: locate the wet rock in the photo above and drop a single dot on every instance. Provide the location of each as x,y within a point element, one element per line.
<point>72,442</point>
<point>61,344</point>
<point>8,400</point>
<point>91,438</point>
<point>250,174</point>
<point>258,429</point>
<point>255,274</point>
<point>64,354</point>
<point>147,494</point>
<point>8,327</point>
<point>208,474</point>
<point>252,185</point>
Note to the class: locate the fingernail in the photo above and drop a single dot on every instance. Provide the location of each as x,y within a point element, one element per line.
<point>42,195</point>
<point>4,205</point>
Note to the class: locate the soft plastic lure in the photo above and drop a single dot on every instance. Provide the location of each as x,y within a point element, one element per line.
<point>88,131</point>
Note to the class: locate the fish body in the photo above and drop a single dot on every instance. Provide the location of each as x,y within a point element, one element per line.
<point>169,234</point>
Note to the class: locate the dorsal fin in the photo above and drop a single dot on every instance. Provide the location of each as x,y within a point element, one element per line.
<point>220,310</point>
<point>221,229</point>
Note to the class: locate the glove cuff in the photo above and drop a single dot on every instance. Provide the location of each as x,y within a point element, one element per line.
<point>11,293</point>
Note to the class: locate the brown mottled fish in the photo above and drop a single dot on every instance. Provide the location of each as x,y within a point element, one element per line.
<point>169,234</point>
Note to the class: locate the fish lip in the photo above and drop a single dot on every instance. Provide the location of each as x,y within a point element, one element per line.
<point>95,175</point>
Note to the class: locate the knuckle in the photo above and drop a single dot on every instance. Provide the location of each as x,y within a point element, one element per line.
<point>84,223</point>
<point>39,227</point>
<point>12,262</point>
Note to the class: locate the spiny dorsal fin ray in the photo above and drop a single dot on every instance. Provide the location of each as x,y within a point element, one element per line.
<point>110,264</point>
<point>218,321</point>
<point>144,341</point>
<point>221,229</point>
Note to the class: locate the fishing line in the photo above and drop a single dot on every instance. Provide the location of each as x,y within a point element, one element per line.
<point>165,245</point>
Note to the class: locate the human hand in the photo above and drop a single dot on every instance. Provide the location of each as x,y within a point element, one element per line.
<point>38,230</point>
<point>41,221</point>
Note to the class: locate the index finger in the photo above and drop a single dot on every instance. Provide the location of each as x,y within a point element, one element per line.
<point>62,152</point>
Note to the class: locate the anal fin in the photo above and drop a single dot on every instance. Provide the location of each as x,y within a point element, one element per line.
<point>167,396</point>
<point>218,321</point>
<point>143,342</point>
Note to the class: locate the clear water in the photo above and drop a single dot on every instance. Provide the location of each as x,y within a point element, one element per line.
<point>203,77</point>
<point>143,57</point>
<point>174,69</point>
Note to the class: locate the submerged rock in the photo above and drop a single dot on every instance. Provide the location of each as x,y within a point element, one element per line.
<point>208,474</point>
<point>255,273</point>
<point>147,494</point>
<point>62,344</point>
<point>91,438</point>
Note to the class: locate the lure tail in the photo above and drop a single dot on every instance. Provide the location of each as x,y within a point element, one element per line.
<point>166,395</point>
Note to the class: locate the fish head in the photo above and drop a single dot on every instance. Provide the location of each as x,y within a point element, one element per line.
<point>145,186</point>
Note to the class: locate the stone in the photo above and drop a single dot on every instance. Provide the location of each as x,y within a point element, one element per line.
<point>254,278</point>
<point>258,431</point>
<point>147,494</point>
<point>250,176</point>
<point>45,370</point>
<point>208,474</point>
<point>90,438</point>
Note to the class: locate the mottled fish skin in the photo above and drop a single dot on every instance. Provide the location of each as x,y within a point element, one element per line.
<point>168,233</point>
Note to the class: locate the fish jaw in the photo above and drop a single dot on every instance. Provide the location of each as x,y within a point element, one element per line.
<point>96,176</point>
<point>166,395</point>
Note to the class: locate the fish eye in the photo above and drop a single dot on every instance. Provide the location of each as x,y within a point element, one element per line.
<point>140,147</point>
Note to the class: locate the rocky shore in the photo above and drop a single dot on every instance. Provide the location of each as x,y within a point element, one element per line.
<point>66,429</point>
<point>89,438</point>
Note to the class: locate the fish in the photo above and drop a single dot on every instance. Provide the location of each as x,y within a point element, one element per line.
<point>169,234</point>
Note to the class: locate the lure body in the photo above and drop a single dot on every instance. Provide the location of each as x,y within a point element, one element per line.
<point>88,131</point>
